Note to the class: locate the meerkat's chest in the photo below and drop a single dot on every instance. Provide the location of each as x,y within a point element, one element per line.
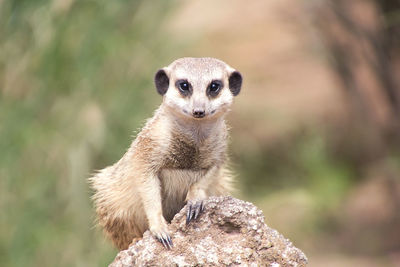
<point>184,154</point>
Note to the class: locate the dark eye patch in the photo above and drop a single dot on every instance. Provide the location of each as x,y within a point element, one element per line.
<point>184,87</point>
<point>214,88</point>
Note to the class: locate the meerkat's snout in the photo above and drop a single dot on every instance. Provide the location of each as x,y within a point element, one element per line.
<point>199,113</point>
<point>199,105</point>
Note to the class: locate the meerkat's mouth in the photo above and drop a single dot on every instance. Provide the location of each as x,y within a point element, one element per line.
<point>197,114</point>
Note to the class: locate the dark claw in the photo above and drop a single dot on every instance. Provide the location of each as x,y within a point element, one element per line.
<point>197,211</point>
<point>170,242</point>
<point>189,209</point>
<point>167,242</point>
<point>193,210</point>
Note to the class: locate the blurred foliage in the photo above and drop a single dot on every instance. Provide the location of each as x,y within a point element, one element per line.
<point>301,160</point>
<point>298,174</point>
<point>75,77</point>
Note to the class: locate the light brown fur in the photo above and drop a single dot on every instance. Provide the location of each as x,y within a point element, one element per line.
<point>173,160</point>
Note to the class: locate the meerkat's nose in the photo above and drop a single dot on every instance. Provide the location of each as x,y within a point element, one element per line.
<point>199,113</point>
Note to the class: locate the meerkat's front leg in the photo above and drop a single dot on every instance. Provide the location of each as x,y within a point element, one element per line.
<point>197,194</point>
<point>150,193</point>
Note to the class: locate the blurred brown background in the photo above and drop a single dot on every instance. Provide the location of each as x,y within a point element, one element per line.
<point>315,131</point>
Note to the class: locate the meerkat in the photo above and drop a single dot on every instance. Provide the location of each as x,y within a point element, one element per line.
<point>178,158</point>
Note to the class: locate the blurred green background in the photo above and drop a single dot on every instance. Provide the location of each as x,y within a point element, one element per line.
<point>315,131</point>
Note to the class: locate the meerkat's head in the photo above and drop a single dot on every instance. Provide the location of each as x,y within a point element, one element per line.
<point>198,88</point>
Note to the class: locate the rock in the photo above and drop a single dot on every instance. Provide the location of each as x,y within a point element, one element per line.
<point>229,232</point>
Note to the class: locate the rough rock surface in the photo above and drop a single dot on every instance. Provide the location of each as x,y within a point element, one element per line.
<point>229,232</point>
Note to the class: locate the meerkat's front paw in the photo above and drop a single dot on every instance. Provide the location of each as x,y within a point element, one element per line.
<point>194,208</point>
<point>162,234</point>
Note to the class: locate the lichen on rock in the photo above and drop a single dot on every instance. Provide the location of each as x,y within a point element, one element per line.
<point>229,232</point>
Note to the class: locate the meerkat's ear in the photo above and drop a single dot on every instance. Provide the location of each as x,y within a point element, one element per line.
<point>161,80</point>
<point>235,82</point>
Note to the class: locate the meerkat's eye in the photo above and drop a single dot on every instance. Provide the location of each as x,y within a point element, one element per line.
<point>214,88</point>
<point>184,87</point>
